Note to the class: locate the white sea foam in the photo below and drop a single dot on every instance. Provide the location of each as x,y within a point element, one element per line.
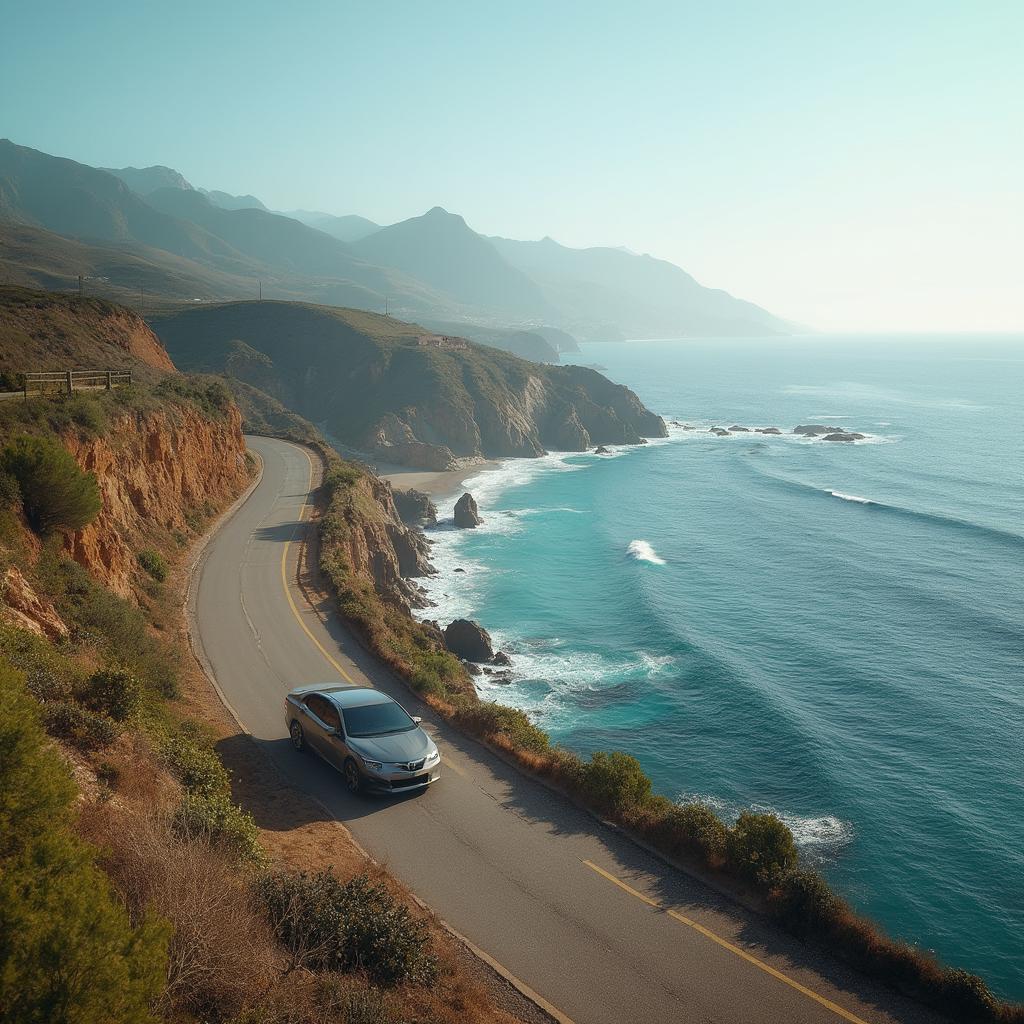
<point>643,552</point>
<point>851,497</point>
<point>815,834</point>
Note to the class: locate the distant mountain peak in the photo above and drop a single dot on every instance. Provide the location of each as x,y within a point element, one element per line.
<point>144,180</point>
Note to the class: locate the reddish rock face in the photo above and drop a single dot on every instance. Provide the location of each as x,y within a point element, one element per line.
<point>155,470</point>
<point>22,606</point>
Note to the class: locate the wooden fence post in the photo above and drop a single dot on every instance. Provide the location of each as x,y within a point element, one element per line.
<point>71,385</point>
<point>109,382</point>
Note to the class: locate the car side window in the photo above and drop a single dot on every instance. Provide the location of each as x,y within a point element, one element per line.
<point>330,715</point>
<point>316,704</point>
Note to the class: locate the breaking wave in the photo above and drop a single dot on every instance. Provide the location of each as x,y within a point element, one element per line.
<point>643,552</point>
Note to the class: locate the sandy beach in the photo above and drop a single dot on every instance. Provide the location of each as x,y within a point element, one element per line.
<point>436,484</point>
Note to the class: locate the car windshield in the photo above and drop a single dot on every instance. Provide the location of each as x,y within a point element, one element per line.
<point>376,720</point>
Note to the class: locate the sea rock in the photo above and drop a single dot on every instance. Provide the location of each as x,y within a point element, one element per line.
<point>736,429</point>
<point>473,669</point>
<point>843,435</point>
<point>415,507</point>
<point>816,429</point>
<point>601,450</point>
<point>719,432</point>
<point>768,430</point>
<point>468,640</point>
<point>501,658</point>
<point>504,678</point>
<point>466,514</point>
<point>689,426</point>
<point>459,569</point>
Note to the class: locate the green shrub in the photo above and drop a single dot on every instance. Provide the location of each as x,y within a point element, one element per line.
<point>487,719</point>
<point>195,765</point>
<point>326,924</point>
<point>339,477</point>
<point>83,729</point>
<point>153,563</point>
<point>804,903</point>
<point>88,414</point>
<point>223,823</point>
<point>68,951</point>
<point>10,492</point>
<point>760,847</point>
<point>966,997</point>
<point>50,675</point>
<point>615,781</point>
<point>112,692</point>
<point>55,493</point>
<point>700,831</point>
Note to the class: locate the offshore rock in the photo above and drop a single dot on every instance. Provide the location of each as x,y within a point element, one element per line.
<point>469,640</point>
<point>467,515</point>
<point>415,507</point>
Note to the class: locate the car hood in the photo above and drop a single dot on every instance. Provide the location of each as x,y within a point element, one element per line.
<point>398,746</point>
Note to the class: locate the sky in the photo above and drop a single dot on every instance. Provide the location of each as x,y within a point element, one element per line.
<point>849,166</point>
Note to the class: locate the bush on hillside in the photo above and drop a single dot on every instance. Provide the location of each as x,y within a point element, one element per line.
<point>804,903</point>
<point>222,823</point>
<point>615,781</point>
<point>153,563</point>
<point>339,477</point>
<point>68,951</point>
<point>55,493</point>
<point>195,765</point>
<point>700,832</point>
<point>112,692</point>
<point>760,848</point>
<point>494,721</point>
<point>327,924</point>
<point>83,729</point>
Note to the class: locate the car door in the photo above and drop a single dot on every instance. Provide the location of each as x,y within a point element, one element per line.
<point>316,706</point>
<point>335,749</point>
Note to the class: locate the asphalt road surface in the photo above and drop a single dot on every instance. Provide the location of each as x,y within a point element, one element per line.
<point>601,930</point>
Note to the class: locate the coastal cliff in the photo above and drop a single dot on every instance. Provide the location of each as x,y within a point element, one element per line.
<point>159,472</point>
<point>395,391</point>
<point>365,534</point>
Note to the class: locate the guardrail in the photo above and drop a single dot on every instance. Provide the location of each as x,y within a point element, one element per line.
<point>75,380</point>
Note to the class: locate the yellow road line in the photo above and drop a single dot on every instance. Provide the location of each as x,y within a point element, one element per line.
<point>725,944</point>
<point>288,593</point>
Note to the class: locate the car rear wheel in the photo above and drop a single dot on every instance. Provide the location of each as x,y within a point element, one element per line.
<point>298,737</point>
<point>353,780</point>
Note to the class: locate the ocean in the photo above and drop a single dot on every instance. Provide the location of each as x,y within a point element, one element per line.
<point>831,631</point>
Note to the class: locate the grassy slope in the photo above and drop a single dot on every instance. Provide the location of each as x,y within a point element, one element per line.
<point>49,331</point>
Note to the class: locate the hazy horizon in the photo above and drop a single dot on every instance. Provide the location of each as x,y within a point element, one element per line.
<point>846,170</point>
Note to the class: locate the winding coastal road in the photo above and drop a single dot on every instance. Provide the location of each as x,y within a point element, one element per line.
<point>598,929</point>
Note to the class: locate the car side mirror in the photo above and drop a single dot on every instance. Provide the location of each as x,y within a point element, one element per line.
<point>417,719</point>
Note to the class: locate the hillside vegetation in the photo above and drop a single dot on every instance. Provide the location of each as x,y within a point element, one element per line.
<point>367,383</point>
<point>134,887</point>
<point>49,331</point>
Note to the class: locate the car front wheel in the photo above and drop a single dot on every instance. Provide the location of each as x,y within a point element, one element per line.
<point>353,780</point>
<point>298,738</point>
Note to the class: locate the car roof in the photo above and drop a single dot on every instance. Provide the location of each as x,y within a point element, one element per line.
<point>343,696</point>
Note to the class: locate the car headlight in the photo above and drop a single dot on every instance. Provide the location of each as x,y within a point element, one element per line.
<point>431,758</point>
<point>374,766</point>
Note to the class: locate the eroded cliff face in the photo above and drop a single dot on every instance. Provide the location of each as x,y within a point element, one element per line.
<point>558,408</point>
<point>159,473</point>
<point>368,534</point>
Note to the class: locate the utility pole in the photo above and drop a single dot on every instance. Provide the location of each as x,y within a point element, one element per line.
<point>79,285</point>
<point>386,313</point>
<point>260,283</point>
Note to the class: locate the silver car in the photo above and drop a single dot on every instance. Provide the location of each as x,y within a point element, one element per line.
<point>372,739</point>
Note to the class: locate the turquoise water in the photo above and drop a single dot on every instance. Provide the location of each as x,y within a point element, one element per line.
<point>831,631</point>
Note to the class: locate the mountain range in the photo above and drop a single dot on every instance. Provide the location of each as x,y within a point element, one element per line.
<point>149,228</point>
